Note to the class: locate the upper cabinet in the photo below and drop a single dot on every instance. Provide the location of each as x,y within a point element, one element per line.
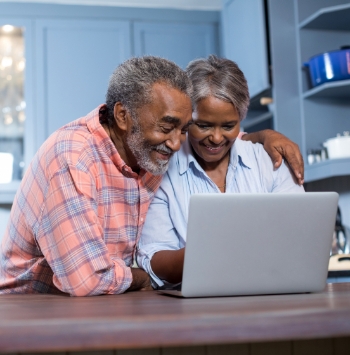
<point>76,58</point>
<point>179,42</point>
<point>245,41</point>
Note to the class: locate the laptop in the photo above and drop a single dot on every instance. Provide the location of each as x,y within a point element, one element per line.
<point>255,244</point>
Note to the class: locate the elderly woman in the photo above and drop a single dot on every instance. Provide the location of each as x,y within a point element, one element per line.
<point>210,161</point>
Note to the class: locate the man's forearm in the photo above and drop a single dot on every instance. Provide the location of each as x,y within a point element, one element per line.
<point>168,265</point>
<point>279,146</point>
<point>255,137</point>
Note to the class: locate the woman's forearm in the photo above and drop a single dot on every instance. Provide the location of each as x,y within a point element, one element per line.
<point>168,265</point>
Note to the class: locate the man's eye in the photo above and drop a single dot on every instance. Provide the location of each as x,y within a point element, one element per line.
<point>166,129</point>
<point>185,128</point>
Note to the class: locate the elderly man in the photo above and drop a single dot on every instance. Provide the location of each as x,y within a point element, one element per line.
<point>82,203</point>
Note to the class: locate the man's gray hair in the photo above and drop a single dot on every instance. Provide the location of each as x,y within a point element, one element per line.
<point>131,82</point>
<point>220,78</point>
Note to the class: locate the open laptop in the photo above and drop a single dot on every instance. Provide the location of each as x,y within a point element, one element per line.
<point>253,244</point>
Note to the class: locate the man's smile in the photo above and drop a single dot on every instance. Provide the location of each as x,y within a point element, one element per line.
<point>163,155</point>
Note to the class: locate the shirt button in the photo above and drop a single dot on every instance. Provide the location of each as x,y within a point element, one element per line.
<point>141,219</point>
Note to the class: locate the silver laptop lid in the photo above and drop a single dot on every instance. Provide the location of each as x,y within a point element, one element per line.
<point>245,244</point>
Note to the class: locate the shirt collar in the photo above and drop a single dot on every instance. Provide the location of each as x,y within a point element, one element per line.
<point>238,155</point>
<point>186,157</point>
<point>95,127</point>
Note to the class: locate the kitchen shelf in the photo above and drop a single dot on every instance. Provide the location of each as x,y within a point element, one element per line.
<point>327,169</point>
<point>250,122</point>
<point>255,100</point>
<point>329,18</point>
<point>257,113</point>
<point>336,89</point>
<point>8,192</point>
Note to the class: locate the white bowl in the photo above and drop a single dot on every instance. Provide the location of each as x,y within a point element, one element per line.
<point>338,147</point>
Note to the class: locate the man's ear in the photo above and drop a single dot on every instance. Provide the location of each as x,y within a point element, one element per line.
<point>121,116</point>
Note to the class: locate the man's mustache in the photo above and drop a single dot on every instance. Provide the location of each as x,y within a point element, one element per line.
<point>163,149</point>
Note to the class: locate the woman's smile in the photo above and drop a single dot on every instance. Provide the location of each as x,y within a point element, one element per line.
<point>214,149</point>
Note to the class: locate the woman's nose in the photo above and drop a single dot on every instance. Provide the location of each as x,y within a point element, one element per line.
<point>216,136</point>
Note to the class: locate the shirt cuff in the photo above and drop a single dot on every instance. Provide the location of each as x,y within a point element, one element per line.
<point>123,277</point>
<point>144,262</point>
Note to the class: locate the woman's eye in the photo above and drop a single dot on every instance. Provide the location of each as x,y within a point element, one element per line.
<point>202,126</point>
<point>228,128</point>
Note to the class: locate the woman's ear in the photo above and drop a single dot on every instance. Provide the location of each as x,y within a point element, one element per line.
<point>121,116</point>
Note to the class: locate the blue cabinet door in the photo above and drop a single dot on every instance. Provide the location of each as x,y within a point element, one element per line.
<point>75,59</point>
<point>178,42</point>
<point>244,40</point>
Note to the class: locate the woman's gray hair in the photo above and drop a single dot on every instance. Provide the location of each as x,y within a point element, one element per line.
<point>220,78</point>
<point>131,82</point>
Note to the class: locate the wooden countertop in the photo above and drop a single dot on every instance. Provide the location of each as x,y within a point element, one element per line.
<point>148,319</point>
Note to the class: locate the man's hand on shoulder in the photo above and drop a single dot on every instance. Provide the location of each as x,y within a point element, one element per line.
<point>279,146</point>
<point>140,281</point>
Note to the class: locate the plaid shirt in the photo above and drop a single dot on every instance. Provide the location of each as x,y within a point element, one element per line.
<point>77,216</point>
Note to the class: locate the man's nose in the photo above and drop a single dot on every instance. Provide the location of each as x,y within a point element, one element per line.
<point>174,141</point>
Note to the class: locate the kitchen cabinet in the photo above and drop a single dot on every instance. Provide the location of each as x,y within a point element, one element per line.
<point>75,68</point>
<point>178,42</point>
<point>245,41</point>
<point>71,51</point>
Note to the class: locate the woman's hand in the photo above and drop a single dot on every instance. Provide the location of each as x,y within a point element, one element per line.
<point>279,146</point>
<point>168,264</point>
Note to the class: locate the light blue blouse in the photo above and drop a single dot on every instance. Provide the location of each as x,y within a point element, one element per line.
<point>250,170</point>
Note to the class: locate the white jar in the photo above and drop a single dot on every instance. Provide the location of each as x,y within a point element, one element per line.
<point>338,147</point>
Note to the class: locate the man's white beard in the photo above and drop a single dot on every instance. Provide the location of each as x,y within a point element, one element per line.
<point>142,150</point>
